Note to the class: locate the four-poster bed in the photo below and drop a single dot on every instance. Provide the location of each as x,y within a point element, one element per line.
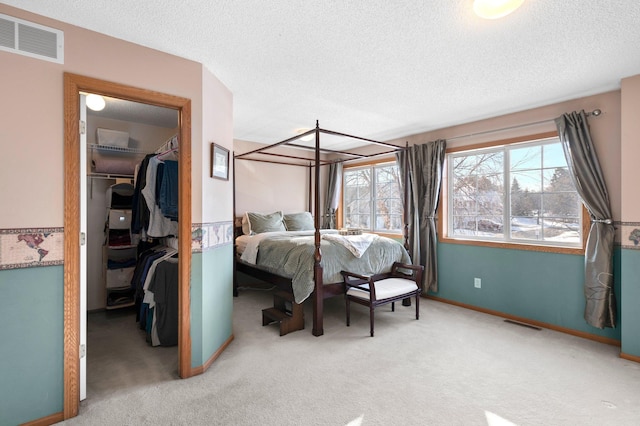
<point>383,256</point>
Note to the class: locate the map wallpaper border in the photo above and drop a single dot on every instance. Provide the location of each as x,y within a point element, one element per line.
<point>37,247</point>
<point>31,247</point>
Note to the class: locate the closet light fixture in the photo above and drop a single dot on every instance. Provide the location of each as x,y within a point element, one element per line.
<point>494,9</point>
<point>95,102</point>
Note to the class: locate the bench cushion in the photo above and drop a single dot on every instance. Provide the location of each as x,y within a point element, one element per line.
<point>386,288</point>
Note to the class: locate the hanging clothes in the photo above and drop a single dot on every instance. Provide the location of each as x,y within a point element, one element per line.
<point>164,286</point>
<point>159,225</point>
<point>168,199</point>
<point>139,209</point>
<point>155,281</point>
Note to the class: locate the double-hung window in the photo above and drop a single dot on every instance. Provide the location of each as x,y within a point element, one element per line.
<point>372,199</point>
<point>513,193</point>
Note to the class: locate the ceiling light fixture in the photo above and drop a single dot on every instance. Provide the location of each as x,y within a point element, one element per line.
<point>95,102</point>
<point>305,138</point>
<point>494,9</point>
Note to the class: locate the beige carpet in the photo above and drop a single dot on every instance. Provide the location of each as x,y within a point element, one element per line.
<point>452,367</point>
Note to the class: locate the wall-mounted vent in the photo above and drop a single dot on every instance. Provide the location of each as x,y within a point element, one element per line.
<point>29,39</point>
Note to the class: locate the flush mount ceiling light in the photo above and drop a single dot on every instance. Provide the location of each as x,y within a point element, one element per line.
<point>494,9</point>
<point>95,102</point>
<point>305,138</point>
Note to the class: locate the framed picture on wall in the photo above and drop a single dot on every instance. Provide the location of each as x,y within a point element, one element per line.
<point>219,162</point>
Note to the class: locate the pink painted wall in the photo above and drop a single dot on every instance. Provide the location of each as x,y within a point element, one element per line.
<point>217,126</point>
<point>32,109</point>
<point>630,256</point>
<point>260,187</point>
<point>605,132</point>
<point>630,122</point>
<point>265,188</point>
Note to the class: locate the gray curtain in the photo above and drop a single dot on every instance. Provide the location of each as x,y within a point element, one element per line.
<point>332,195</point>
<point>600,308</point>
<point>425,163</point>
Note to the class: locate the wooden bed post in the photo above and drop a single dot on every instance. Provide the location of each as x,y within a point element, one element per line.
<point>318,298</point>
<point>310,187</point>
<point>405,213</point>
<point>235,274</point>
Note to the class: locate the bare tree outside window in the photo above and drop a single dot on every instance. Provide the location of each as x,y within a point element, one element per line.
<point>477,200</point>
<point>372,198</point>
<point>520,192</point>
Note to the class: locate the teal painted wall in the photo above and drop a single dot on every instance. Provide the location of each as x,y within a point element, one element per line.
<point>31,348</point>
<point>196,310</point>
<point>211,302</point>
<point>630,297</point>
<point>32,318</point>
<point>217,298</point>
<point>545,287</point>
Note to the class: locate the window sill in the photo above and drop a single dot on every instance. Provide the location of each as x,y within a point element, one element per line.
<point>386,234</point>
<point>514,246</point>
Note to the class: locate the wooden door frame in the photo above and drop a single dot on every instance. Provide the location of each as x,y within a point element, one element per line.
<point>73,85</point>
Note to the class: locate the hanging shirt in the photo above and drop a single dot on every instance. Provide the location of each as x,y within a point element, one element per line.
<point>159,225</point>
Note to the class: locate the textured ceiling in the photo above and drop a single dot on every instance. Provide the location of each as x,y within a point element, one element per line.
<point>377,68</point>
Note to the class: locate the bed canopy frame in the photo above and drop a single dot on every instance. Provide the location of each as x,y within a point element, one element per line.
<point>266,154</point>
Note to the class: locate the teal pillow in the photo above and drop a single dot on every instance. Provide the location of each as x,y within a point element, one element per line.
<point>259,222</point>
<point>299,222</point>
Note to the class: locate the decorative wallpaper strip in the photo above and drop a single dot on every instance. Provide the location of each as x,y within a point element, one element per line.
<point>629,235</point>
<point>31,247</point>
<point>206,236</point>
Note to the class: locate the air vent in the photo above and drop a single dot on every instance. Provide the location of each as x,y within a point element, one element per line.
<point>29,39</point>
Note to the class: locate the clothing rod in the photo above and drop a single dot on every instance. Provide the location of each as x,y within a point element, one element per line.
<point>595,113</point>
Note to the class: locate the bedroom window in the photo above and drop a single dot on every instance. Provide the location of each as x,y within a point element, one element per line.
<point>519,193</point>
<point>372,198</point>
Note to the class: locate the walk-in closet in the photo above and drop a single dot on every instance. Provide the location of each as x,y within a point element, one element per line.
<point>132,160</point>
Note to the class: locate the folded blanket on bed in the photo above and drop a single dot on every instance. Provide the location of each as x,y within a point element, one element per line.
<point>356,244</point>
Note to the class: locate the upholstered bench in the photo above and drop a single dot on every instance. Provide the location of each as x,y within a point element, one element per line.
<point>402,282</point>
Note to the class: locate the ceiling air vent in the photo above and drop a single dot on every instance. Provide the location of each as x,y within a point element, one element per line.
<point>29,39</point>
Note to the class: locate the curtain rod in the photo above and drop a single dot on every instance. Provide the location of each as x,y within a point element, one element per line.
<point>595,113</point>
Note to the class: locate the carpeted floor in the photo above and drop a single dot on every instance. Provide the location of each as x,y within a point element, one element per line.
<point>452,367</point>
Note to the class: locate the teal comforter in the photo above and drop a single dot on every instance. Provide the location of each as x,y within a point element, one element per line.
<point>292,257</point>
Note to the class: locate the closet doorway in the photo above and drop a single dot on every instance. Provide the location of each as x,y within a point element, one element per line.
<point>74,85</point>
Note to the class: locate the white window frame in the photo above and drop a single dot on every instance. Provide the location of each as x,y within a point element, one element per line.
<point>373,204</point>
<point>446,225</point>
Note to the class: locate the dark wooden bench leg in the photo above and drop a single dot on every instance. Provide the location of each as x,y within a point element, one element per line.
<point>348,303</point>
<point>371,318</point>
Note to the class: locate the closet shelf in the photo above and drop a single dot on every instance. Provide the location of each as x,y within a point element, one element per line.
<point>115,149</point>
<point>109,176</point>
